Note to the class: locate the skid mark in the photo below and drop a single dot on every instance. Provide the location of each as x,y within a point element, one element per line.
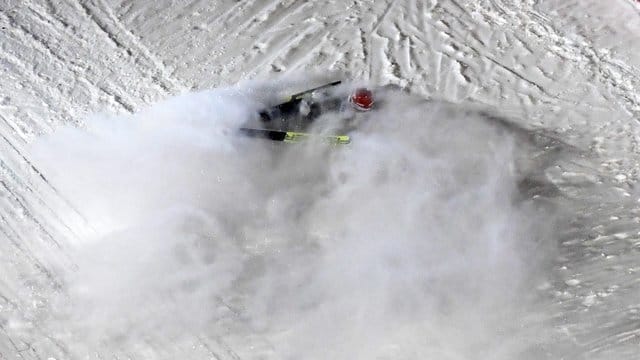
<point>475,46</point>
<point>76,70</point>
<point>382,17</point>
<point>162,76</point>
<point>238,5</point>
<point>303,47</point>
<point>19,202</point>
<point>288,47</point>
<point>275,15</point>
<point>116,96</point>
<point>374,30</point>
<point>28,187</point>
<point>20,37</point>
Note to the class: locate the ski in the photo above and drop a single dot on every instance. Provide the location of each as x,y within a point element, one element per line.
<point>291,103</point>
<point>294,137</point>
<point>301,94</point>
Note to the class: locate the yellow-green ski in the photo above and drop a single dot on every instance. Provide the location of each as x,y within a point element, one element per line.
<point>295,137</point>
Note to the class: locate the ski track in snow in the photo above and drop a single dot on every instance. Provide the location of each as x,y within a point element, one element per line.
<point>550,65</point>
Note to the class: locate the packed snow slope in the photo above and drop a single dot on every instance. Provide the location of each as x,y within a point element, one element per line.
<point>488,211</point>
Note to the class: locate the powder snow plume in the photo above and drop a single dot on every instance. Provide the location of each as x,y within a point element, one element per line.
<point>412,242</point>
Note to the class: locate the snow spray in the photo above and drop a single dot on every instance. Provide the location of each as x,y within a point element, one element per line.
<point>411,242</point>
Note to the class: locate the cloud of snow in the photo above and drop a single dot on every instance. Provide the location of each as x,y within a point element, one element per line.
<point>412,242</point>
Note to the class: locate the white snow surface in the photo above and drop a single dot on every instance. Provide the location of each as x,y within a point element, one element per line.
<point>488,210</point>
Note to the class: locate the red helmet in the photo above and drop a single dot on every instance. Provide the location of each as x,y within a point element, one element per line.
<point>362,99</point>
